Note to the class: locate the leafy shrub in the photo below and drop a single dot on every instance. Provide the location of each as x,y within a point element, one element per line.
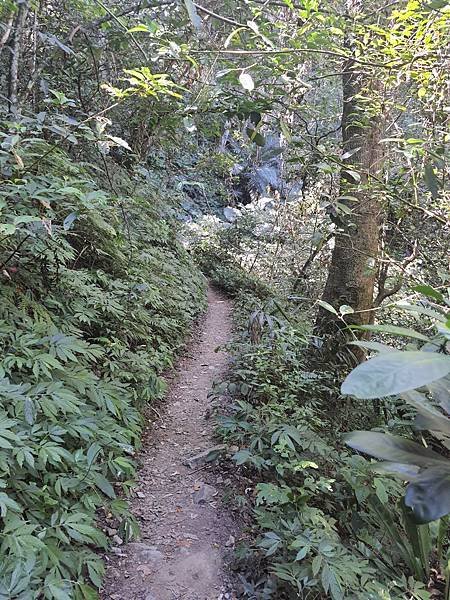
<point>324,522</point>
<point>97,296</point>
<point>420,375</point>
<point>215,246</point>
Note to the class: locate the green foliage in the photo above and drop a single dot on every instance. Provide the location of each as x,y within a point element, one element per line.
<point>97,291</point>
<point>324,522</point>
<point>215,248</point>
<point>144,83</point>
<point>97,296</point>
<point>400,372</point>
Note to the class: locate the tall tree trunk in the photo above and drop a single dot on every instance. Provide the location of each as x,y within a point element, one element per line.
<point>16,46</point>
<point>352,273</point>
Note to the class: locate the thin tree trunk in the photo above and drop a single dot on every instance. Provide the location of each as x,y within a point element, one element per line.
<point>16,46</point>
<point>352,273</point>
<point>7,31</point>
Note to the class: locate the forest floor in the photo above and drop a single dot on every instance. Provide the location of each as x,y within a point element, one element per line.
<point>186,529</point>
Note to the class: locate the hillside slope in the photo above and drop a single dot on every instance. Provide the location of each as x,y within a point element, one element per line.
<point>98,294</point>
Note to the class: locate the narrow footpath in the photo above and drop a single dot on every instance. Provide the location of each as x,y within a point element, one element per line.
<point>186,531</point>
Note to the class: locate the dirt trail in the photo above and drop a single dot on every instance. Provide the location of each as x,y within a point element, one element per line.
<point>186,532</point>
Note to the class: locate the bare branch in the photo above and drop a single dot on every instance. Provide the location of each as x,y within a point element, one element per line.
<point>384,292</point>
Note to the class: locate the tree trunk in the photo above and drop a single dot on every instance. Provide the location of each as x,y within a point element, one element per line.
<point>352,273</point>
<point>16,45</point>
<point>7,28</point>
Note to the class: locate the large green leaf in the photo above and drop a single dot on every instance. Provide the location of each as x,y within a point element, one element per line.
<point>394,373</point>
<point>433,313</point>
<point>394,330</point>
<point>405,472</point>
<point>441,392</point>
<point>429,494</point>
<point>429,417</point>
<point>377,346</point>
<point>429,291</point>
<point>393,448</point>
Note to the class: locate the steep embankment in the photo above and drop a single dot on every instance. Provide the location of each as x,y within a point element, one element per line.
<point>97,296</point>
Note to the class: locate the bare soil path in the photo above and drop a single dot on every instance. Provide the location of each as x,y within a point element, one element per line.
<point>186,531</point>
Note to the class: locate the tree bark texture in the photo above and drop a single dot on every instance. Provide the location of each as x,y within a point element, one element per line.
<point>7,28</point>
<point>352,273</point>
<point>16,46</point>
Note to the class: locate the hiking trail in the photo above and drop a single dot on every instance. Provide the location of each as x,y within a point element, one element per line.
<point>186,533</point>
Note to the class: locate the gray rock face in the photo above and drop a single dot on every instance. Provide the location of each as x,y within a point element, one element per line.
<point>146,552</point>
<point>204,494</point>
<point>208,455</point>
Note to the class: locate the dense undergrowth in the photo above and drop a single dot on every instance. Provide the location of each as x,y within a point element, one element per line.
<point>97,296</point>
<point>324,523</point>
<point>305,145</point>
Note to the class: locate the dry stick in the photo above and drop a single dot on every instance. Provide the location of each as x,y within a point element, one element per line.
<point>13,253</point>
<point>424,256</point>
<point>156,412</point>
<point>94,60</point>
<point>219,17</point>
<point>197,470</point>
<point>34,62</point>
<point>133,9</point>
<point>386,65</point>
<point>381,9</point>
<point>384,292</point>
<point>142,6</point>
<point>122,208</point>
<point>302,273</point>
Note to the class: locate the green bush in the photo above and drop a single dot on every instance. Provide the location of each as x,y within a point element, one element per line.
<point>324,523</point>
<point>97,295</point>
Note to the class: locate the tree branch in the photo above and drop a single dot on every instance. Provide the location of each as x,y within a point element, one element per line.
<point>303,271</point>
<point>219,17</point>
<point>384,292</point>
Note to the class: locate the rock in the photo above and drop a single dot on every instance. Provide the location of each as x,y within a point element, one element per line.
<point>140,494</point>
<point>117,540</point>
<point>145,570</point>
<point>209,455</point>
<point>145,552</point>
<point>230,542</point>
<point>204,494</point>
